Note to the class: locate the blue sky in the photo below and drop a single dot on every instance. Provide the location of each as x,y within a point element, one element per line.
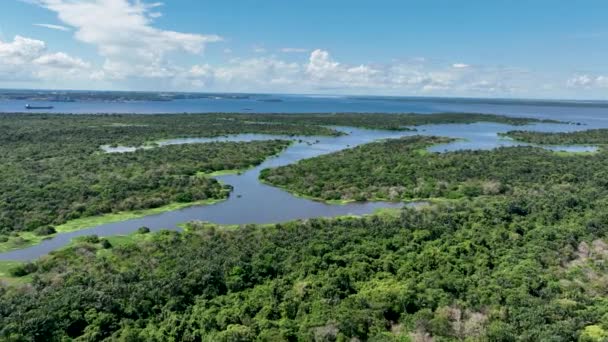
<point>547,49</point>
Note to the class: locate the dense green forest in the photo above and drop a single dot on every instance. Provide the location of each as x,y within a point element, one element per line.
<point>401,169</point>
<point>50,191</point>
<point>588,137</point>
<point>385,121</point>
<point>514,250</point>
<point>525,267</point>
<point>54,171</point>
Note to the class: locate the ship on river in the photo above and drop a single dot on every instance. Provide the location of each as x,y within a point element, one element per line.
<point>27,106</point>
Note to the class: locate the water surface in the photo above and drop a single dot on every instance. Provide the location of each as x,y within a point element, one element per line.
<point>254,202</point>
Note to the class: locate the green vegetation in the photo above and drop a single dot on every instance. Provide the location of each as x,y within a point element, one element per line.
<point>524,267</point>
<point>54,172</point>
<point>382,120</point>
<point>395,170</point>
<point>515,247</point>
<point>8,276</point>
<point>588,137</point>
<point>38,192</point>
<point>93,221</point>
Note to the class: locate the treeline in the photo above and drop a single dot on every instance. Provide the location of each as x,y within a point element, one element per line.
<point>527,267</point>
<point>401,169</point>
<point>22,130</point>
<point>587,137</point>
<point>38,192</point>
<point>384,120</point>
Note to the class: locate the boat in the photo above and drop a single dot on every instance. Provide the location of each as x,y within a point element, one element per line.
<point>27,106</point>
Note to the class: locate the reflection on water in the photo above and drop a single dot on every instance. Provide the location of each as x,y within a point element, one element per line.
<point>254,202</point>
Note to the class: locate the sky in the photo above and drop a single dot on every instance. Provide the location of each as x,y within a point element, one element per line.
<point>499,48</point>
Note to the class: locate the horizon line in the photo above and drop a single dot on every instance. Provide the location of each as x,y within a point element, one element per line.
<point>446,97</point>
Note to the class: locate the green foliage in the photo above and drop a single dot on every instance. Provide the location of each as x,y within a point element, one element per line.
<point>594,333</point>
<point>45,230</point>
<point>502,269</point>
<point>53,170</point>
<point>383,121</point>
<point>105,244</point>
<point>143,230</point>
<point>88,239</point>
<point>23,269</point>
<point>394,170</point>
<point>525,262</point>
<point>587,137</point>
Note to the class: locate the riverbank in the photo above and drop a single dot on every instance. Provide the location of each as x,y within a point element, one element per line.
<point>22,240</point>
<point>7,267</point>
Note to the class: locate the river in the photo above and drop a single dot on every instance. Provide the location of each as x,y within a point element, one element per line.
<point>254,202</point>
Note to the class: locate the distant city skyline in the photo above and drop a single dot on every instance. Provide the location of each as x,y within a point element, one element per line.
<point>516,49</point>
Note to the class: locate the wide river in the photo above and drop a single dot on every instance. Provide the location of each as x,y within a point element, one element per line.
<point>254,202</point>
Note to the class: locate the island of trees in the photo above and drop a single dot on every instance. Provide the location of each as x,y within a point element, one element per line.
<point>587,137</point>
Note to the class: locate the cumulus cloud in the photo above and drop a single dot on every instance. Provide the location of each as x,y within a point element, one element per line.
<point>322,72</point>
<point>321,65</point>
<point>54,27</point>
<point>61,60</point>
<point>28,59</point>
<point>123,33</point>
<point>21,50</point>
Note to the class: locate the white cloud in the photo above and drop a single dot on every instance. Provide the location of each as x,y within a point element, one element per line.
<point>321,73</point>
<point>257,72</point>
<point>259,49</point>
<point>54,27</point>
<point>588,81</point>
<point>21,50</point>
<point>28,59</point>
<point>321,65</point>
<point>123,33</point>
<point>61,60</point>
<point>294,50</point>
<point>460,65</point>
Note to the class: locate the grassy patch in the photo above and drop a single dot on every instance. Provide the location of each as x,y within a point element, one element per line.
<point>123,216</point>
<point>7,278</point>
<point>27,239</point>
<point>575,153</point>
<point>221,173</point>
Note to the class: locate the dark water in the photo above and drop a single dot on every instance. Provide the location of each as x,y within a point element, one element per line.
<point>254,202</point>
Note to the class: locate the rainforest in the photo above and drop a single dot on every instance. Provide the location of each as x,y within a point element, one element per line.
<point>504,244</point>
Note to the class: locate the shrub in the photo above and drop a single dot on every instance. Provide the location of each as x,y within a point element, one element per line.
<point>89,239</point>
<point>143,230</point>
<point>45,230</point>
<point>106,244</point>
<point>23,270</point>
